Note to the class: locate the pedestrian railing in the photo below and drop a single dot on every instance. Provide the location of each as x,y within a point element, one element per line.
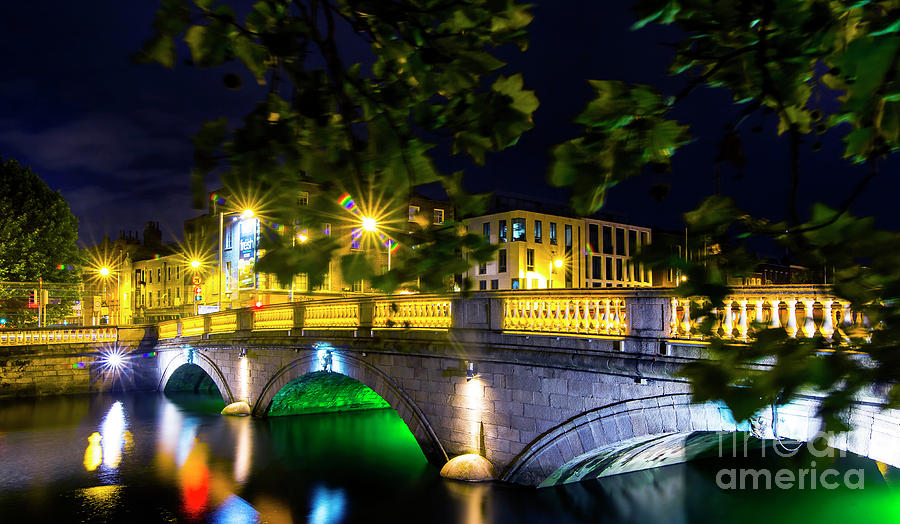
<point>77,335</point>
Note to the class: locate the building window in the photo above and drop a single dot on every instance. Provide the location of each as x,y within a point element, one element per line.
<point>159,274</point>
<point>149,299</point>
<point>177,272</point>
<point>495,284</point>
<point>486,230</point>
<point>594,238</point>
<point>619,269</point>
<point>529,260</point>
<point>438,216</point>
<point>501,261</point>
<point>356,238</point>
<point>538,232</point>
<point>303,198</point>
<point>413,211</point>
<point>607,240</point>
<point>553,233</point>
<point>501,233</point>
<point>632,242</point>
<point>568,239</point>
<point>482,285</point>
<point>620,241</point>
<point>609,273</point>
<point>518,230</point>
<point>482,269</point>
<point>597,267</point>
<point>150,272</point>
<point>227,235</point>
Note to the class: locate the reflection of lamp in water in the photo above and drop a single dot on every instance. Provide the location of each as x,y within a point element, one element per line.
<point>113,431</point>
<point>93,455</point>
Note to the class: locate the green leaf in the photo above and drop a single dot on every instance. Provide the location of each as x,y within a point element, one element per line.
<point>208,44</point>
<point>252,55</point>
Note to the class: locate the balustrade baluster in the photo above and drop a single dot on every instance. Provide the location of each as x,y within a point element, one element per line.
<point>742,321</point>
<point>728,325</point>
<point>792,317</point>
<point>809,327</point>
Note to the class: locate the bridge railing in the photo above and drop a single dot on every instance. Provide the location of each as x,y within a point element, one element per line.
<point>616,313</point>
<point>803,311</point>
<point>74,335</point>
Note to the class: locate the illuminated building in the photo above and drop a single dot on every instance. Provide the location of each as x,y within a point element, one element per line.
<point>609,248</point>
<point>541,250</point>
<point>530,244</point>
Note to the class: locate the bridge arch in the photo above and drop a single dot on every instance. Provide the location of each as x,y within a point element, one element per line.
<point>372,377</point>
<point>649,432</point>
<point>180,358</point>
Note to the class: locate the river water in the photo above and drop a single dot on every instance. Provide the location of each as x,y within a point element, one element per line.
<point>154,458</point>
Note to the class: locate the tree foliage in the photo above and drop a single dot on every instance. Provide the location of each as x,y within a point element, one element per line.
<point>370,127</point>
<point>783,57</point>
<point>38,234</point>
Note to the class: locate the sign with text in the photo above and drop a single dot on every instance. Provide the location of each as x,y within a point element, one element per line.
<point>247,255</point>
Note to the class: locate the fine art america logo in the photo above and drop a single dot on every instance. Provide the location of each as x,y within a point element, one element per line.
<point>786,478</point>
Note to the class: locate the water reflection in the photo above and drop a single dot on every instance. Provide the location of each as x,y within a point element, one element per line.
<point>243,448</point>
<point>189,464</point>
<point>108,445</point>
<point>328,505</point>
<point>471,500</point>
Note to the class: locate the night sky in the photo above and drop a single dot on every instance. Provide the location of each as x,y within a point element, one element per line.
<point>114,136</point>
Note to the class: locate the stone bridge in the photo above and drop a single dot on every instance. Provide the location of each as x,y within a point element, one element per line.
<point>552,386</point>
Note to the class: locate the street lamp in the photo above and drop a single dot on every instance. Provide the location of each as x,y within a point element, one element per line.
<point>558,263</point>
<point>371,225</point>
<point>195,265</point>
<point>105,272</point>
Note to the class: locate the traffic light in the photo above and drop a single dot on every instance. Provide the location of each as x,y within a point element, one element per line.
<point>33,299</point>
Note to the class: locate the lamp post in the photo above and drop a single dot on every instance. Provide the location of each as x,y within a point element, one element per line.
<point>558,263</point>
<point>195,266</point>
<point>104,272</point>
<point>371,225</point>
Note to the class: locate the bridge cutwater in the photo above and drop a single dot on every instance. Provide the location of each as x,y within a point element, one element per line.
<point>549,386</point>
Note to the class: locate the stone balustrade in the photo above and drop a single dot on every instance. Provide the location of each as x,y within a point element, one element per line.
<point>585,313</point>
<point>332,315</point>
<point>406,313</point>
<point>74,335</point>
<point>803,311</point>
<point>168,329</point>
<point>275,318</point>
<point>224,322</point>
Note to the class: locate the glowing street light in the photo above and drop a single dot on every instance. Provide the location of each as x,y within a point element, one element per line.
<point>248,213</point>
<point>105,272</point>
<point>195,264</point>
<point>558,263</point>
<point>369,224</point>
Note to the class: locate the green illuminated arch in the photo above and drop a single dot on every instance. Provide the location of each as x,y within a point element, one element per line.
<point>324,392</point>
<point>190,378</point>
